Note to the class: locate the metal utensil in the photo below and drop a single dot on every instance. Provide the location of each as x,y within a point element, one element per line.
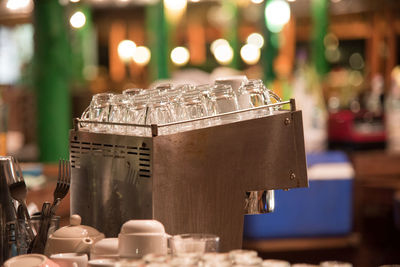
<point>39,242</point>
<point>63,183</point>
<point>18,191</point>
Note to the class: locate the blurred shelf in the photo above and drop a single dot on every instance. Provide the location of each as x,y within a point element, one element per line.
<point>301,244</point>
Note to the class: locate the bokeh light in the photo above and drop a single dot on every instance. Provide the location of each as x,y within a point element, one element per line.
<point>77,20</point>
<point>257,1</point>
<point>331,41</point>
<point>250,54</point>
<point>180,55</point>
<point>175,5</point>
<point>277,14</point>
<point>126,50</point>
<point>217,43</point>
<point>17,4</point>
<point>356,61</point>
<point>223,53</point>
<point>142,55</point>
<point>256,39</point>
<point>332,54</point>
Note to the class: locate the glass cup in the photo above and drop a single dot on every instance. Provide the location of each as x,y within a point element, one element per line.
<point>159,112</point>
<point>98,110</point>
<point>240,254</point>
<point>136,114</point>
<point>335,264</point>
<point>224,101</point>
<point>54,224</point>
<point>275,263</point>
<point>118,112</point>
<point>250,95</point>
<point>205,91</point>
<point>193,107</point>
<point>193,244</point>
<point>132,91</point>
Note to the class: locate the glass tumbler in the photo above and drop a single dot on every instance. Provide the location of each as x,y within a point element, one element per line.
<point>159,112</point>
<point>224,101</point>
<point>98,110</point>
<point>136,114</point>
<point>193,107</point>
<point>132,91</point>
<point>335,264</point>
<point>205,91</point>
<point>195,245</point>
<point>118,112</point>
<point>250,95</point>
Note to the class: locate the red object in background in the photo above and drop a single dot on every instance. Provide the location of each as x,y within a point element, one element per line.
<point>349,127</point>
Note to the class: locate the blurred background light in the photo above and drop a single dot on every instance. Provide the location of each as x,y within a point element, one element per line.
<point>256,39</point>
<point>77,20</point>
<point>257,1</point>
<point>277,14</point>
<point>332,54</point>
<point>142,55</point>
<point>175,5</point>
<point>126,50</point>
<point>250,54</point>
<point>180,55</point>
<point>223,53</point>
<point>217,43</point>
<point>331,41</point>
<point>356,61</point>
<point>175,9</point>
<point>17,4</point>
<point>74,1</point>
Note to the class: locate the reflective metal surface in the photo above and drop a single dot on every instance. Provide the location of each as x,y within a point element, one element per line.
<point>194,181</point>
<point>7,210</point>
<point>259,202</point>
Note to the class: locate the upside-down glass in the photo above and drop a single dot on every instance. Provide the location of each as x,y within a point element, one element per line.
<point>136,114</point>
<point>132,91</point>
<point>224,101</point>
<point>193,244</point>
<point>118,112</point>
<point>159,112</point>
<point>205,90</point>
<point>193,107</point>
<point>250,95</point>
<point>98,110</point>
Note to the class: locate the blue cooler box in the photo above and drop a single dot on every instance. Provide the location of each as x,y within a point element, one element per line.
<point>322,209</point>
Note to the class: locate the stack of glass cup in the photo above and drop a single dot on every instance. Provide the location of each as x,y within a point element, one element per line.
<point>181,108</point>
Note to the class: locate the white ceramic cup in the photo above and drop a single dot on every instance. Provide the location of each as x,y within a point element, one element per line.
<point>30,260</point>
<point>138,245</point>
<point>140,237</point>
<point>102,263</point>
<point>106,248</point>
<point>70,259</point>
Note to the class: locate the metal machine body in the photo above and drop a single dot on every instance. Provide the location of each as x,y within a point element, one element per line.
<point>193,181</point>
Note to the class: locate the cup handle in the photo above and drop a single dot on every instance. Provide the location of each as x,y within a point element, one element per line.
<point>85,114</point>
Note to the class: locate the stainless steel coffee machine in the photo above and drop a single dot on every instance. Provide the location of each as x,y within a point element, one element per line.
<point>193,181</point>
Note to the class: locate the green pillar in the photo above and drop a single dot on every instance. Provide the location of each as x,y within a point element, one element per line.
<point>157,30</point>
<point>231,32</point>
<point>83,47</point>
<point>319,13</point>
<point>51,73</point>
<point>269,51</point>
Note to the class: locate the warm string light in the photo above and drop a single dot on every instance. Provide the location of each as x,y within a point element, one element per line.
<point>126,50</point>
<point>180,56</point>
<point>77,20</point>
<point>277,14</point>
<point>142,55</point>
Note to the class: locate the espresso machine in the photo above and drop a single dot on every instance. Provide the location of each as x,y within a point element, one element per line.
<point>197,181</point>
